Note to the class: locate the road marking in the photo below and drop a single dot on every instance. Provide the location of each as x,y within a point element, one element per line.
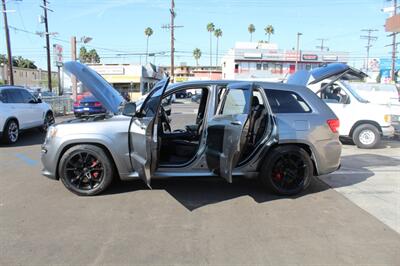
<point>26,159</point>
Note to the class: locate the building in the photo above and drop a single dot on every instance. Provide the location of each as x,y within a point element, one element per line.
<point>28,77</point>
<point>264,61</point>
<point>131,79</point>
<point>186,73</point>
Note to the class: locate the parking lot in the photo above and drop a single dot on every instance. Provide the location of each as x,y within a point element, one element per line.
<point>351,217</point>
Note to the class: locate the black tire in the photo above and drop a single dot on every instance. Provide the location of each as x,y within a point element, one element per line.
<point>11,132</point>
<point>48,121</point>
<point>366,136</point>
<point>77,172</point>
<point>283,179</point>
<point>189,95</point>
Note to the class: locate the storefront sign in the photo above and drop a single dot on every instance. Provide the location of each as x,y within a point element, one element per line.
<point>252,55</point>
<point>310,57</point>
<point>329,57</point>
<point>58,54</point>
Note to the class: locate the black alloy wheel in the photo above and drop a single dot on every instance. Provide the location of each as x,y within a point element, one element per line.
<point>86,170</point>
<point>287,170</point>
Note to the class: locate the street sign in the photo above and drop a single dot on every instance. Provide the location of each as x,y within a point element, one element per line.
<point>58,54</point>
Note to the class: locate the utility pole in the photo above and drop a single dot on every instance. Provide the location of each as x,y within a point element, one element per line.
<point>297,50</point>
<point>394,45</point>
<point>47,34</point>
<point>322,47</point>
<point>73,57</point>
<point>9,55</point>
<point>369,39</point>
<point>172,27</point>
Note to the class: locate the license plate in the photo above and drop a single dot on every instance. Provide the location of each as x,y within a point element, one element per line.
<point>86,109</point>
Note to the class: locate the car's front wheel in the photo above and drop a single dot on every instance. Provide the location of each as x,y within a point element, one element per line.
<point>86,170</point>
<point>48,121</point>
<point>287,170</point>
<point>11,132</point>
<point>366,136</point>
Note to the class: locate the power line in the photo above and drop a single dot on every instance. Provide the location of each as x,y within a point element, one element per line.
<point>322,47</point>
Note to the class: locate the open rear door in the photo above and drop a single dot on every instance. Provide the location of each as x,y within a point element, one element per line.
<point>143,139</point>
<point>226,132</point>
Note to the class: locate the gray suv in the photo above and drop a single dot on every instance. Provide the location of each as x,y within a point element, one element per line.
<point>282,134</point>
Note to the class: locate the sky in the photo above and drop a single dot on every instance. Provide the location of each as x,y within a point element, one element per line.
<point>117,27</point>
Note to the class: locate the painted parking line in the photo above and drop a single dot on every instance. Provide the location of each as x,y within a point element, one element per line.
<point>26,159</point>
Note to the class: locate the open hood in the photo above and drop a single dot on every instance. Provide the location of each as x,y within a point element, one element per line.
<point>336,70</point>
<point>97,85</point>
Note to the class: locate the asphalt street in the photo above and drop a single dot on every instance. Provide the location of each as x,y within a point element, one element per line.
<point>346,218</point>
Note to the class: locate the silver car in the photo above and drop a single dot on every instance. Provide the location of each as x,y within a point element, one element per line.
<point>282,134</point>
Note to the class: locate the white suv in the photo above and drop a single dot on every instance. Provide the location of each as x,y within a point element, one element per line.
<point>20,110</point>
<point>360,120</point>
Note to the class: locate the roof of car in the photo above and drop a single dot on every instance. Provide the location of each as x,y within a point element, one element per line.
<point>2,87</point>
<point>264,84</point>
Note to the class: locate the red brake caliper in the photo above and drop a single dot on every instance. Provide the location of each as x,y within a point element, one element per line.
<point>94,163</point>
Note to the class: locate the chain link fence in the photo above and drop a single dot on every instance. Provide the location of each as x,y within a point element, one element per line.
<point>61,105</point>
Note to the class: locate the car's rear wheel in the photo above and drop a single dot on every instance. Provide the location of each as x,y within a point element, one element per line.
<point>48,121</point>
<point>366,136</point>
<point>86,170</point>
<point>11,132</point>
<point>287,170</point>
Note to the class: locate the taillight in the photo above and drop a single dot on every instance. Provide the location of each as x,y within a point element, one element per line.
<point>334,125</point>
<point>97,104</point>
<point>76,104</point>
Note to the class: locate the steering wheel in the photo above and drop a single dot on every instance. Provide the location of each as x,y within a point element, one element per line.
<point>164,120</point>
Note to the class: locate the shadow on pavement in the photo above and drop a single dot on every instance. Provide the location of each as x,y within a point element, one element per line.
<point>28,137</point>
<point>194,193</point>
<point>355,170</point>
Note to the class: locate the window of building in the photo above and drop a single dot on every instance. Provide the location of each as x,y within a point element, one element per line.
<point>265,66</point>
<point>282,101</point>
<point>258,66</point>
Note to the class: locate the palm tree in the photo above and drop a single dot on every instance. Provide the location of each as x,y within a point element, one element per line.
<point>251,28</point>
<point>210,29</point>
<point>269,30</point>
<point>218,34</point>
<point>148,32</point>
<point>197,55</point>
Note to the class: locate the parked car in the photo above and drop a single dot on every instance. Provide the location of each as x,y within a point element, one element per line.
<point>88,105</point>
<point>20,110</point>
<point>282,134</point>
<point>384,94</point>
<point>360,120</point>
<point>196,98</point>
<point>181,94</point>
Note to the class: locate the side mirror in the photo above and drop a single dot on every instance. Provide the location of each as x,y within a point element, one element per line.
<point>129,109</point>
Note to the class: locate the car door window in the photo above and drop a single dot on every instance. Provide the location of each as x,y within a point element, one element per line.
<point>236,102</point>
<point>13,96</point>
<point>27,97</point>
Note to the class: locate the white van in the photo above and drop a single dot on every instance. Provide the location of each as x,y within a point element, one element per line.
<point>362,121</point>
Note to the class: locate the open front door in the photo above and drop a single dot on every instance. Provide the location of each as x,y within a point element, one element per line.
<point>143,139</point>
<point>226,132</point>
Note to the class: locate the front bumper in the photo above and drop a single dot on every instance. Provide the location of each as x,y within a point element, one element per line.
<point>388,131</point>
<point>49,161</point>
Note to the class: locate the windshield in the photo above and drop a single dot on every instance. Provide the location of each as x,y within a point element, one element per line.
<point>353,92</point>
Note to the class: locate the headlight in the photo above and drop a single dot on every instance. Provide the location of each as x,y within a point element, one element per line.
<point>51,132</point>
<point>387,118</point>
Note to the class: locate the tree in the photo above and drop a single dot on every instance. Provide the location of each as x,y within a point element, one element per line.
<point>18,62</point>
<point>88,56</point>
<point>269,30</point>
<point>197,55</point>
<point>218,34</point>
<point>148,32</point>
<point>210,29</point>
<point>251,28</point>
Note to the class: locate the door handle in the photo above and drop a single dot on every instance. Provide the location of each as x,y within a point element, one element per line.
<point>236,123</point>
